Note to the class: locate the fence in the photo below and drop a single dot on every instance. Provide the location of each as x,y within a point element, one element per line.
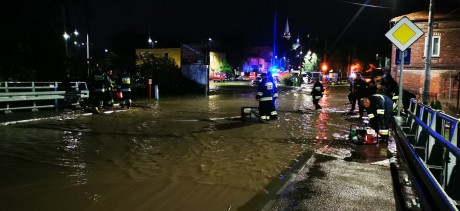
<point>35,95</point>
<point>428,142</point>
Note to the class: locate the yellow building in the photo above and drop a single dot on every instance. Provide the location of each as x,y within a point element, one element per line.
<point>215,61</point>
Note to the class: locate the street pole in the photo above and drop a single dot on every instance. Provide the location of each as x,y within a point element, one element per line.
<point>87,51</point>
<point>401,59</point>
<point>207,69</point>
<point>428,47</point>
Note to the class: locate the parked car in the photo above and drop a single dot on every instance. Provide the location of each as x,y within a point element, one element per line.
<point>217,78</point>
<point>256,80</point>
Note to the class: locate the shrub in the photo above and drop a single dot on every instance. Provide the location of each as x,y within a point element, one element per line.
<point>287,81</point>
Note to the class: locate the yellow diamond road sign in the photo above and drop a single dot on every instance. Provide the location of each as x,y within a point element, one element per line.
<point>404,33</point>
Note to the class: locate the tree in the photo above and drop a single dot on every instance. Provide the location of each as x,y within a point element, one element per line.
<point>227,69</point>
<point>165,73</point>
<point>310,63</point>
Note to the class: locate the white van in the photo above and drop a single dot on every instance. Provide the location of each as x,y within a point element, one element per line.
<point>312,76</point>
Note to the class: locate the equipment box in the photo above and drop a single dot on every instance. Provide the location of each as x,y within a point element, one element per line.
<point>248,113</point>
<point>362,134</point>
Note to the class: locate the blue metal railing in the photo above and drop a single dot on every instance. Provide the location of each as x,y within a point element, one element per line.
<point>429,145</point>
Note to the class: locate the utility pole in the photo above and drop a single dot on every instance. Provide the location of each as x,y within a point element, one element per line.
<point>87,52</point>
<point>429,51</point>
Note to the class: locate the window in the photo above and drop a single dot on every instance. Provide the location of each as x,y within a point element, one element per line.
<point>436,46</point>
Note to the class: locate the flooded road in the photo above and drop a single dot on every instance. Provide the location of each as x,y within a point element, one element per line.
<point>181,153</point>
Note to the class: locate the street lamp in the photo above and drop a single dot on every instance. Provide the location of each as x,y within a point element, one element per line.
<point>151,42</point>
<point>66,37</point>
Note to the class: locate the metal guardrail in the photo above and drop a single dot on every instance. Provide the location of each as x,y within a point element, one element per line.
<point>25,95</point>
<point>428,141</point>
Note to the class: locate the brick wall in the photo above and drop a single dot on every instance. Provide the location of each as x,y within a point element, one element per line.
<point>442,67</point>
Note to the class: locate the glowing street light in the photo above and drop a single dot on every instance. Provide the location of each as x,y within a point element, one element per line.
<point>152,42</point>
<point>324,67</point>
<point>66,36</point>
<point>76,33</point>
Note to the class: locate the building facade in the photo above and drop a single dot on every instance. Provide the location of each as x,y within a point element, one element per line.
<point>215,62</point>
<point>445,62</point>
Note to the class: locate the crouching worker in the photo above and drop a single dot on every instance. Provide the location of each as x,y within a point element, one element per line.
<point>265,93</point>
<point>379,110</point>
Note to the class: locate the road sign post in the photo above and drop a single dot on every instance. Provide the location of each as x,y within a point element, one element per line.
<point>403,34</point>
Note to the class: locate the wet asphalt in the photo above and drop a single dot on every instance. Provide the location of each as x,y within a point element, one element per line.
<point>339,175</point>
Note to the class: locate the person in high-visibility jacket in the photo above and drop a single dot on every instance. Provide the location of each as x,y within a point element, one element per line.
<point>124,83</point>
<point>98,85</point>
<point>110,88</point>
<point>379,110</point>
<point>273,112</point>
<point>265,93</point>
<point>317,93</point>
<point>359,91</point>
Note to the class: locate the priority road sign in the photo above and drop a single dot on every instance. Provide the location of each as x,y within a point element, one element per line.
<point>404,33</point>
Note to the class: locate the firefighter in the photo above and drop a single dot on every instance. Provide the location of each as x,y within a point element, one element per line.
<point>358,91</point>
<point>265,93</point>
<point>317,93</point>
<point>124,83</point>
<point>109,84</point>
<point>99,88</point>
<point>273,112</point>
<point>379,109</point>
<point>391,89</point>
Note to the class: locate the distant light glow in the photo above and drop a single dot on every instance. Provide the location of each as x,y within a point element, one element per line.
<point>353,75</point>
<point>66,36</point>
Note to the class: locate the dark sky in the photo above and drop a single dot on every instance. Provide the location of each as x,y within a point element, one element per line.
<point>233,25</point>
<point>247,21</point>
<point>32,30</point>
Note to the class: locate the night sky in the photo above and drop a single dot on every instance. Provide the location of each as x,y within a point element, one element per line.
<point>246,21</point>
<point>243,23</point>
<point>123,25</point>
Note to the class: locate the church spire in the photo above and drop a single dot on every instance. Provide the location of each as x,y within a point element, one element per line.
<point>286,33</point>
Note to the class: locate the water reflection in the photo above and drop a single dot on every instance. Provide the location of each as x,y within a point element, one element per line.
<point>74,150</point>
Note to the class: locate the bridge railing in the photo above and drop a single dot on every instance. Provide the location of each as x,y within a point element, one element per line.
<point>35,95</point>
<point>428,141</point>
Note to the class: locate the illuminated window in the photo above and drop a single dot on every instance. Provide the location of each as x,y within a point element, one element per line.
<point>436,46</point>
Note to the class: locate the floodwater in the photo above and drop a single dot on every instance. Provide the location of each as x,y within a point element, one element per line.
<point>182,153</point>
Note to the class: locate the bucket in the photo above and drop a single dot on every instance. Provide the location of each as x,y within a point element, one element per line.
<point>369,139</point>
<point>119,95</point>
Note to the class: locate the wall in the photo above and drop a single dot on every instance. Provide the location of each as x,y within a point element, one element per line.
<point>442,67</point>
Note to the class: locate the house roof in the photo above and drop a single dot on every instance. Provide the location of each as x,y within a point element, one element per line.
<point>446,11</point>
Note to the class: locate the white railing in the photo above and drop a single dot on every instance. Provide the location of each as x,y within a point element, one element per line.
<point>35,95</point>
